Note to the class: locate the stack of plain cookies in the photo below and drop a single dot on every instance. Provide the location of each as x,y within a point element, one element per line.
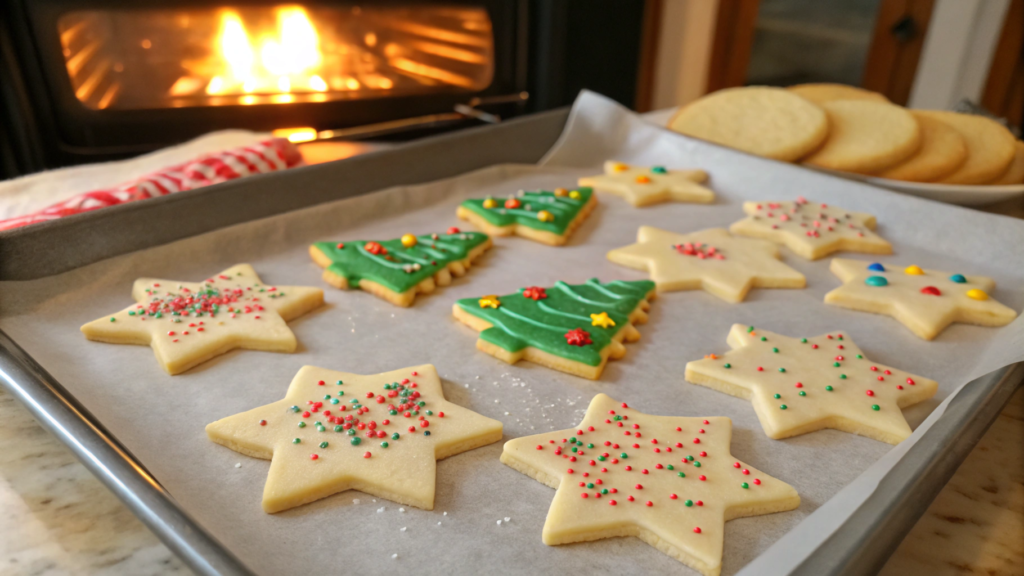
<point>848,129</point>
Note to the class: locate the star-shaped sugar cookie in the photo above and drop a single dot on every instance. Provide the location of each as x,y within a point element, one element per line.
<point>669,481</point>
<point>799,385</point>
<point>810,229</point>
<point>380,434</point>
<point>712,259</point>
<point>926,301</point>
<point>641,186</point>
<point>188,323</point>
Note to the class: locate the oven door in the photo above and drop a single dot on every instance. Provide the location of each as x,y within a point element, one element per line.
<point>126,77</point>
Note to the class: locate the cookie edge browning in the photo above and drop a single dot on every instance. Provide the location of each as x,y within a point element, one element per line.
<point>516,229</point>
<point>614,351</point>
<point>442,277</point>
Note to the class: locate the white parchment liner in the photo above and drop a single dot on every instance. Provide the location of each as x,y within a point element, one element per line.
<point>160,418</point>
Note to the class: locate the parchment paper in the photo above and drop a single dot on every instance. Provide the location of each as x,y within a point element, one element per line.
<point>161,418</point>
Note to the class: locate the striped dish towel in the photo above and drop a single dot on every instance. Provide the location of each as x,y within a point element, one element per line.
<point>267,155</point>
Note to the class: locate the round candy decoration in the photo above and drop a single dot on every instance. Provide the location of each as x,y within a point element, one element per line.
<point>512,203</point>
<point>932,290</point>
<point>876,267</point>
<point>490,203</point>
<point>409,240</point>
<point>958,278</point>
<point>914,271</point>
<point>977,294</point>
<point>877,281</point>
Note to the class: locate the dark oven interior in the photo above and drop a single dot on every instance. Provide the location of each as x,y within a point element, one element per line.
<point>90,80</point>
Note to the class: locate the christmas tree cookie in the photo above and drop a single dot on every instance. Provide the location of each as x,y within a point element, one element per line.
<point>712,259</point>
<point>670,481</point>
<point>799,385</point>
<point>547,217</point>
<point>188,323</point>
<point>399,269</point>
<point>810,229</point>
<point>926,301</point>
<point>572,328</point>
<point>642,186</point>
<point>335,431</point>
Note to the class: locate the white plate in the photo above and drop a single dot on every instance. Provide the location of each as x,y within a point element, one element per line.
<point>960,194</point>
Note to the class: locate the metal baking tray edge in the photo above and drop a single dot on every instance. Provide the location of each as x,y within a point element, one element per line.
<point>861,545</point>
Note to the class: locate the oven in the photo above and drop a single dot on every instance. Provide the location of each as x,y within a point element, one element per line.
<point>91,80</point>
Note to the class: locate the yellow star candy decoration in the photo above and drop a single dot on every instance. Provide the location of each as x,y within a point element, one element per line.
<point>188,323</point>
<point>321,439</point>
<point>810,229</point>
<point>490,301</point>
<point>799,385</point>
<point>642,186</point>
<point>926,301</point>
<point>712,259</point>
<point>670,481</point>
<point>601,320</point>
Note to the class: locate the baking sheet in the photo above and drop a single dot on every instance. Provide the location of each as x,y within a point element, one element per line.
<point>160,419</point>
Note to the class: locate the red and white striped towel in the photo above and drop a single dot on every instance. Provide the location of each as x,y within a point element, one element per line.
<point>265,156</point>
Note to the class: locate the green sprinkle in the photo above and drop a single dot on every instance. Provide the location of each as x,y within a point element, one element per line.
<point>131,313</point>
<point>745,485</point>
<point>431,413</point>
<point>351,431</point>
<point>688,503</point>
<point>842,376</point>
<point>383,444</point>
<point>427,433</point>
<point>590,485</point>
<point>393,412</point>
<point>777,396</point>
<point>395,436</point>
<point>690,458</point>
<point>335,400</point>
<point>835,364</point>
<point>327,396</point>
<point>776,350</point>
<point>294,408</point>
<point>302,424</point>
<point>782,369</point>
<point>875,407</point>
<point>802,393</point>
<point>860,356</point>
<point>829,388</point>
<point>671,467</point>
<point>764,339</point>
<point>590,445</point>
<point>727,365</point>
<point>697,464</point>
<point>604,491</point>
<point>323,444</point>
<point>297,441</point>
<point>623,455</point>
<point>601,458</point>
<point>574,449</point>
<point>783,407</point>
<point>339,428</point>
<point>112,319</point>
<point>356,440</point>
<point>681,475</point>
<point>803,340</point>
<point>572,440</point>
<point>340,382</point>
<point>751,329</point>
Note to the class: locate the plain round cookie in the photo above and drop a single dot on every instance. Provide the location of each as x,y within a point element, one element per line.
<point>769,122</point>
<point>942,151</point>
<point>1015,173</point>
<point>866,137</point>
<point>826,92</point>
<point>990,147</point>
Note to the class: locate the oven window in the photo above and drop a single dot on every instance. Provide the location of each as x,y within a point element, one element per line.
<point>171,58</point>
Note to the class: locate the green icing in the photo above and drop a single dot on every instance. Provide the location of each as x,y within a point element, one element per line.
<point>520,321</point>
<point>401,268</point>
<point>563,208</point>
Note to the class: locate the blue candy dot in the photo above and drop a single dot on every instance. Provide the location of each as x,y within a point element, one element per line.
<point>876,267</point>
<point>876,281</point>
<point>958,278</point>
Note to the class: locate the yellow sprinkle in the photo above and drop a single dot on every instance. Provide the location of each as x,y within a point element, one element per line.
<point>490,203</point>
<point>977,294</point>
<point>575,194</point>
<point>620,167</point>
<point>601,320</point>
<point>913,271</point>
<point>408,240</point>
<point>545,216</point>
<point>490,301</point>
